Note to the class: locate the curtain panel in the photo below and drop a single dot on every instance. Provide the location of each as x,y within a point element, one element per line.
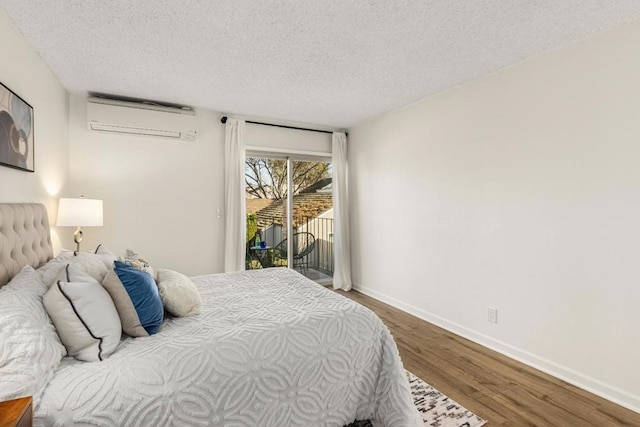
<point>235,223</point>
<point>341,232</point>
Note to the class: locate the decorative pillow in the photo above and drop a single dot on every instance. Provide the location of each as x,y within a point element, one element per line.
<point>136,297</point>
<point>31,350</point>
<point>51,271</point>
<point>134,260</point>
<point>101,252</point>
<point>84,315</point>
<point>105,255</point>
<point>93,264</point>
<point>179,295</point>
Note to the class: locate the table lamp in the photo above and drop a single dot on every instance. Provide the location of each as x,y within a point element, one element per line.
<point>79,213</point>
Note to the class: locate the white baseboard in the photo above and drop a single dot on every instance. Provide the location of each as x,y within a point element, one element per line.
<point>564,373</point>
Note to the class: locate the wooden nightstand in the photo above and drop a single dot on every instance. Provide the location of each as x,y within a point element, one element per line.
<point>16,412</point>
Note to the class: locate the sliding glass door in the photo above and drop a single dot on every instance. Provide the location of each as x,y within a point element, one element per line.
<point>289,214</point>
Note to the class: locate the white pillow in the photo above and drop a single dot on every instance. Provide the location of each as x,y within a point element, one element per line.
<point>31,350</point>
<point>50,271</point>
<point>93,264</point>
<point>101,252</point>
<point>84,315</point>
<point>178,293</point>
<point>106,256</point>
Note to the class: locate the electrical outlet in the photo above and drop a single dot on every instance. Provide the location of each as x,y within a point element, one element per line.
<point>493,315</point>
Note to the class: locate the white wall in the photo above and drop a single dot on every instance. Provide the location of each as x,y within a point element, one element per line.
<point>23,71</point>
<point>519,191</point>
<point>161,197</point>
<point>283,139</point>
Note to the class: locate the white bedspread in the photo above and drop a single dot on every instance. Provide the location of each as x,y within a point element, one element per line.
<point>271,348</point>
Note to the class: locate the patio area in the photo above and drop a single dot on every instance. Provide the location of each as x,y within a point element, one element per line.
<point>311,239</point>
<point>312,248</point>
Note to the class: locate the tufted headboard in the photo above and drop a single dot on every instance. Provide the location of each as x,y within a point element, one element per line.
<point>24,238</point>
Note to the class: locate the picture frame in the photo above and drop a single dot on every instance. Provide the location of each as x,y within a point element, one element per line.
<point>16,131</point>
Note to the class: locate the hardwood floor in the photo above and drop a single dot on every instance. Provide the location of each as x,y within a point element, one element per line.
<point>499,389</point>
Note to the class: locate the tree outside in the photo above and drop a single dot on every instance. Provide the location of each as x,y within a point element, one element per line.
<point>267,178</point>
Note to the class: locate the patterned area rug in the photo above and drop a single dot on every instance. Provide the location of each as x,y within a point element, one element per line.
<point>437,410</point>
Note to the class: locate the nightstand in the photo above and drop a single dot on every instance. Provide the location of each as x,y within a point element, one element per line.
<point>16,412</point>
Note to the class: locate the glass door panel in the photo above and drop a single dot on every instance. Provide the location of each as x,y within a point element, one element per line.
<point>266,206</point>
<point>312,219</point>
<point>307,216</point>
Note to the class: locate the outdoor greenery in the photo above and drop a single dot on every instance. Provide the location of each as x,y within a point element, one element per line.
<point>252,226</point>
<point>252,229</point>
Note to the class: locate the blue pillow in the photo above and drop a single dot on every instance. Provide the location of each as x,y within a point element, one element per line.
<point>137,300</point>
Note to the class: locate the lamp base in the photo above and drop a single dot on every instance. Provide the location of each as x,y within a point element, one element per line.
<point>77,237</point>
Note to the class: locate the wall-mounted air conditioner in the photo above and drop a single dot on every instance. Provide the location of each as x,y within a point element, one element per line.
<point>140,118</point>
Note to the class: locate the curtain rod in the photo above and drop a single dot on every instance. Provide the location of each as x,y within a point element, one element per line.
<point>224,120</point>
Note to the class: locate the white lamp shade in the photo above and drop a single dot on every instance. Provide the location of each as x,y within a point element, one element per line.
<point>79,213</point>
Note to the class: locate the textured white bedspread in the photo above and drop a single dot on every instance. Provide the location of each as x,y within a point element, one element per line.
<point>270,348</point>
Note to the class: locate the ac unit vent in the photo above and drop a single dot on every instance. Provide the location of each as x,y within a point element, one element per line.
<point>141,119</point>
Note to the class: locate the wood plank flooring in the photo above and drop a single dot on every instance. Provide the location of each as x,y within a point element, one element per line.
<point>499,389</point>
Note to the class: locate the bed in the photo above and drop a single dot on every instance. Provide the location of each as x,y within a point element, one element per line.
<point>270,348</point>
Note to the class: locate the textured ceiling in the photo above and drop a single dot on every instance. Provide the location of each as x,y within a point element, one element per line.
<point>324,62</point>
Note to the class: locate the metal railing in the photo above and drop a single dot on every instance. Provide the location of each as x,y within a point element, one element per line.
<point>321,258</point>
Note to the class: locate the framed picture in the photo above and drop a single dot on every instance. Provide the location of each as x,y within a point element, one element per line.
<point>16,131</point>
